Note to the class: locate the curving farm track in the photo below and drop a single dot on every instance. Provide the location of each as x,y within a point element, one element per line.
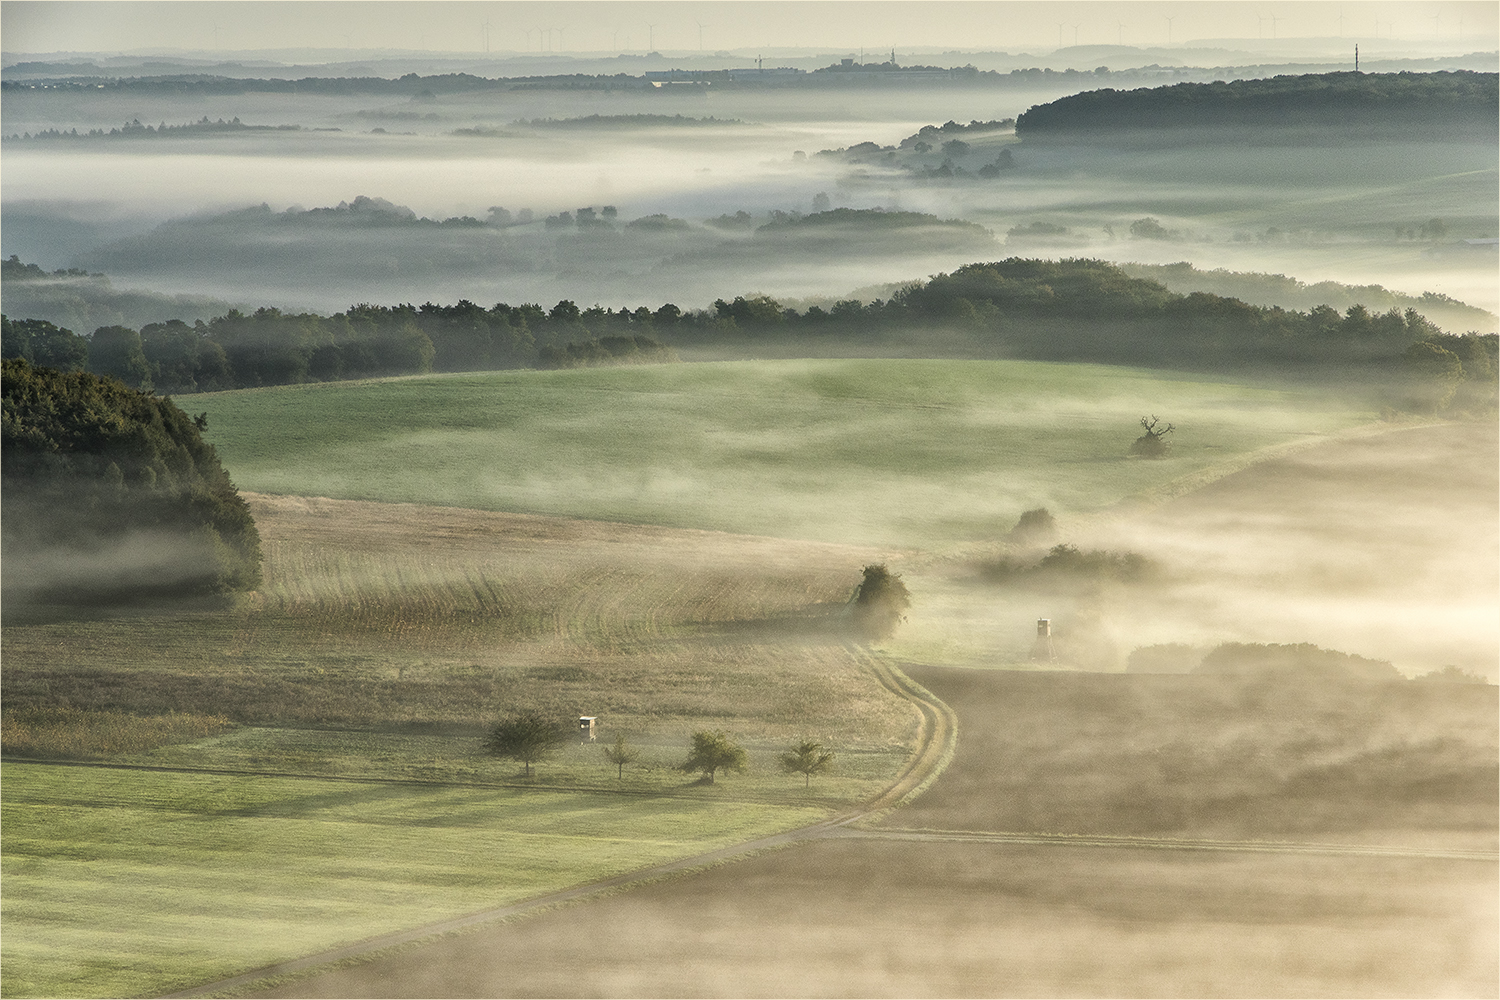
<point>937,737</point>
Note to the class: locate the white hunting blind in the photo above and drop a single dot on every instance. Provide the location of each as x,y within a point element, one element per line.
<point>1042,648</point>
<point>586,726</point>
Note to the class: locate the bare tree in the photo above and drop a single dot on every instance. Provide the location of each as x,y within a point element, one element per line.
<point>1151,444</point>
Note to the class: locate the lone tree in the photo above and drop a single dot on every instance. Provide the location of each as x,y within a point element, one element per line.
<point>1151,444</point>
<point>879,601</point>
<point>807,759</point>
<point>713,750</point>
<point>526,736</point>
<point>1036,527</point>
<point>620,754</point>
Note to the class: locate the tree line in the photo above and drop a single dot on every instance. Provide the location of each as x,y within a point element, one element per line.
<point>1068,310</point>
<point>1459,102</point>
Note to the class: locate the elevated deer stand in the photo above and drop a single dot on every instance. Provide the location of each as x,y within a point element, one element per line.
<point>1042,648</point>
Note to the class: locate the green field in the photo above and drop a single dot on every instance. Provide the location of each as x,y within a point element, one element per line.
<point>860,451</point>
<point>122,883</point>
<point>385,638</point>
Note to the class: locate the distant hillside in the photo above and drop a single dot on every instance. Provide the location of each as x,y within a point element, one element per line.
<point>78,300</point>
<point>1458,104</point>
<point>1279,290</point>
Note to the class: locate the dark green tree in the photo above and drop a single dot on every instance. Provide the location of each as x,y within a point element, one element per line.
<point>43,343</point>
<point>1434,374</point>
<point>1035,527</point>
<point>117,351</point>
<point>713,750</point>
<point>89,465</point>
<point>526,736</point>
<point>879,602</point>
<point>807,759</point>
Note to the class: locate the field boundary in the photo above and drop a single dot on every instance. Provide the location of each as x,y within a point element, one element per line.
<point>1159,843</point>
<point>937,737</point>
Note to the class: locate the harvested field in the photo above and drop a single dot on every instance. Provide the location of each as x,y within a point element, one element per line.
<point>395,615</point>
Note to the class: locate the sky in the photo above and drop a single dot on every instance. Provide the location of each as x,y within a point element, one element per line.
<point>468,26</point>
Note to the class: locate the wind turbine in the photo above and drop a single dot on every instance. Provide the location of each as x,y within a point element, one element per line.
<point>1059,33</point>
<point>1436,18</point>
<point>1260,26</point>
<point>1169,20</point>
<point>1075,34</point>
<point>1119,32</point>
<point>1274,18</point>
<point>486,27</point>
<point>650,38</point>
<point>701,26</point>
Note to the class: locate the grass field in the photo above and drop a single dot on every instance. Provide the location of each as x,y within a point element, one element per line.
<point>875,452</point>
<point>389,634</point>
<point>127,883</point>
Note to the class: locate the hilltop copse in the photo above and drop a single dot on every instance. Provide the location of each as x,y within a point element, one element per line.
<point>92,466</point>
<point>1461,104</point>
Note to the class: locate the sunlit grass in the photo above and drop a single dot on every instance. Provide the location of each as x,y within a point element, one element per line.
<point>858,451</point>
<point>130,883</point>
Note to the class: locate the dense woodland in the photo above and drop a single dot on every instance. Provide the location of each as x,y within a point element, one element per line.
<point>91,465</point>
<point>1460,104</point>
<point>1072,310</point>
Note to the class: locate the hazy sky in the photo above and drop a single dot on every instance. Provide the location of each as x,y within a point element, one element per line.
<point>41,26</point>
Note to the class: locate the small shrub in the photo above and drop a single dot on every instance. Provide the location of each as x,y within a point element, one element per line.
<point>1036,527</point>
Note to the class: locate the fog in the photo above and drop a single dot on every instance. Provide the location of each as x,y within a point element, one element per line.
<point>147,210</point>
<point>1299,512</point>
<point>1385,546</point>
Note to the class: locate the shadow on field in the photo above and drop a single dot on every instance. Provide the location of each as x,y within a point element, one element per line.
<point>1194,756</point>
<point>884,919</point>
